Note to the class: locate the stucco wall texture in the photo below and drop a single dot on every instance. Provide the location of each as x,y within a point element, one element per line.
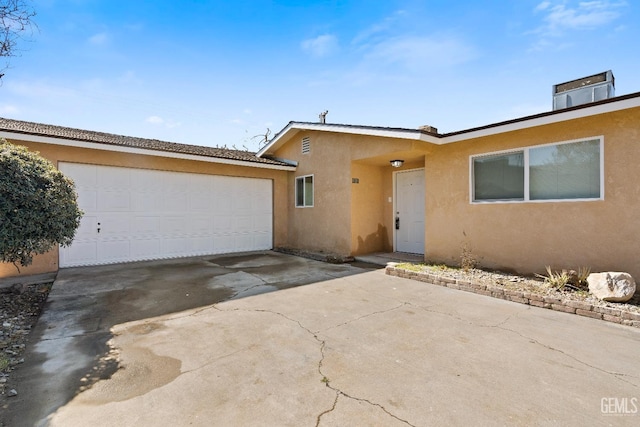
<point>525,237</point>
<point>348,218</point>
<point>351,218</point>
<point>57,153</point>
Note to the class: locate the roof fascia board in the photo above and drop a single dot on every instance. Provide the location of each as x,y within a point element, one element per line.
<point>388,133</point>
<point>19,136</point>
<point>556,117</point>
<point>627,102</point>
<point>410,134</point>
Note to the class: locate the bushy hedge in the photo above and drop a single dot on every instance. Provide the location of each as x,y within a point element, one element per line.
<point>38,208</point>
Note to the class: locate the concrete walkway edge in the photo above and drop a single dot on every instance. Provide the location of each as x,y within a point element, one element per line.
<point>614,315</point>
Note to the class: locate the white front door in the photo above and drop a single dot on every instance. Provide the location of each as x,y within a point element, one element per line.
<point>138,214</point>
<point>409,214</point>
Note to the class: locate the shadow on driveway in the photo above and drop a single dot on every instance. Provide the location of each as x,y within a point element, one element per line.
<point>69,347</point>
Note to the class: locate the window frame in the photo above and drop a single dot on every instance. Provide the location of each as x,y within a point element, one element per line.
<point>313,191</point>
<point>527,187</point>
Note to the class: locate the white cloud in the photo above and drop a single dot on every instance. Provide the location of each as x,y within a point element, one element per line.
<point>155,120</point>
<point>415,52</point>
<point>99,39</point>
<point>560,18</point>
<point>543,6</point>
<point>320,46</point>
<point>128,77</point>
<point>379,28</point>
<point>395,41</point>
<point>159,121</point>
<point>9,109</point>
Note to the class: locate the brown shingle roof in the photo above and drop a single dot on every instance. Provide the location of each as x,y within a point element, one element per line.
<point>39,129</point>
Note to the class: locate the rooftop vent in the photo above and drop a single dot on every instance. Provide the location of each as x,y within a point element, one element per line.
<point>583,91</point>
<point>428,129</point>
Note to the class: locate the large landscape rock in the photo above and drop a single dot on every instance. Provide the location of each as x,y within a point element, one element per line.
<point>612,286</point>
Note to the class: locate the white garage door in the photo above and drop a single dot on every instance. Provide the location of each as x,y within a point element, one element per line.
<point>138,214</point>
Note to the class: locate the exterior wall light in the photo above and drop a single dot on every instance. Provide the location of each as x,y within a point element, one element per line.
<point>396,163</point>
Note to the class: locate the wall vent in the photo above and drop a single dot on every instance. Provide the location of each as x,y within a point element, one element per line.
<point>583,91</point>
<point>306,145</point>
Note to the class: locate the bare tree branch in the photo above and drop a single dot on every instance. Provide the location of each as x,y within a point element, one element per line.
<point>15,22</point>
<point>264,137</point>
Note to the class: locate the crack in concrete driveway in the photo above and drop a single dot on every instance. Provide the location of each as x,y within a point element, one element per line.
<point>364,349</point>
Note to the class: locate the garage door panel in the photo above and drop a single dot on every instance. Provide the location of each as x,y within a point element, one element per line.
<point>245,242</point>
<point>114,250</point>
<point>200,183</point>
<point>175,246</point>
<point>242,203</point>
<point>200,225</point>
<point>87,199</point>
<point>145,214</point>
<point>262,223</point>
<point>146,248</point>
<point>262,202</point>
<point>263,241</point>
<point>116,178</point>
<point>145,225</point>
<point>113,201</point>
<point>146,180</point>
<point>175,201</point>
<point>222,223</point>
<point>223,206</point>
<point>223,187</point>
<point>87,227</point>
<point>80,253</point>
<point>83,176</point>
<point>148,201</point>
<point>175,182</point>
<point>223,243</point>
<point>202,245</point>
<point>244,223</point>
<point>174,225</point>
<point>111,225</point>
<point>200,201</point>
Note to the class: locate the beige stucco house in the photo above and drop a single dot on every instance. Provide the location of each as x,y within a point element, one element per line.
<point>558,188</point>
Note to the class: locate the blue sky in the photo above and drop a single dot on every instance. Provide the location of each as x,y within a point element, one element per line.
<point>221,72</point>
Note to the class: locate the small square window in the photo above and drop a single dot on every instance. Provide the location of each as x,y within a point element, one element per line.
<point>304,191</point>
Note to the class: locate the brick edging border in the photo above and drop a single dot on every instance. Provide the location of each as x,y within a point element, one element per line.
<point>581,308</point>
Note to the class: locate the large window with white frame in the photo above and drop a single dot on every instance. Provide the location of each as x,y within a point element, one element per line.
<point>570,170</point>
<point>304,191</point>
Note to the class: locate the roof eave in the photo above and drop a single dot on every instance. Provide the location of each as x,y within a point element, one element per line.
<point>294,127</point>
<point>586,110</point>
<point>28,137</point>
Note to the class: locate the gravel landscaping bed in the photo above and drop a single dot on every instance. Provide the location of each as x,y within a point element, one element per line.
<point>20,307</point>
<point>524,290</point>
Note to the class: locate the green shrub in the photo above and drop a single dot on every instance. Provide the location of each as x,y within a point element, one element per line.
<point>38,207</point>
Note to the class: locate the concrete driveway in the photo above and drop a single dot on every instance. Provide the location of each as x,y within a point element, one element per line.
<point>356,347</point>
